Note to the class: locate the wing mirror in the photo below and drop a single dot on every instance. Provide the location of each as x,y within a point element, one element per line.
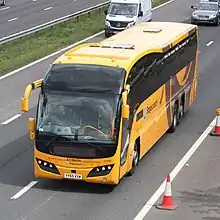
<point>105,11</point>
<point>125,111</point>
<point>125,106</point>
<point>31,128</point>
<point>24,104</point>
<point>140,14</point>
<point>193,7</point>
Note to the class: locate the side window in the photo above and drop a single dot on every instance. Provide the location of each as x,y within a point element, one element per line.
<point>142,79</point>
<point>177,58</point>
<point>135,71</point>
<point>189,51</point>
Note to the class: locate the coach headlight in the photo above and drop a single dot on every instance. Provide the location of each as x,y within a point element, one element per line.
<point>101,170</point>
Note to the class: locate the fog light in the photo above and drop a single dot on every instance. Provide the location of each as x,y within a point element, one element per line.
<point>104,179</point>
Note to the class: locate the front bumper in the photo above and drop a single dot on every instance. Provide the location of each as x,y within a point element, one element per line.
<point>50,167</point>
<point>112,31</point>
<point>205,21</point>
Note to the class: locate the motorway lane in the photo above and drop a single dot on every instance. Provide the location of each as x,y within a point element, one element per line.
<point>82,201</point>
<point>196,189</point>
<point>24,14</point>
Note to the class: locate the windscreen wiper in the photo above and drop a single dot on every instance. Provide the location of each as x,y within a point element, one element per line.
<point>56,136</point>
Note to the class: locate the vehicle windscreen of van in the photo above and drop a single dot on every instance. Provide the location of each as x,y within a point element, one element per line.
<point>123,9</point>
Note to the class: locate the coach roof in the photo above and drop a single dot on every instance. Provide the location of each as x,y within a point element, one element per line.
<point>129,44</point>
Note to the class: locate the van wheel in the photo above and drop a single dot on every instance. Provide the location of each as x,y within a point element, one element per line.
<point>135,160</point>
<point>172,129</point>
<point>217,22</point>
<point>107,34</point>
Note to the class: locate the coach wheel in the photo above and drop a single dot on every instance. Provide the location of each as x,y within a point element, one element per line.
<point>175,119</point>
<point>135,160</point>
<point>181,110</point>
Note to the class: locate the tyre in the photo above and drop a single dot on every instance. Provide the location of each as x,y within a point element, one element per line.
<point>107,34</point>
<point>172,128</point>
<point>135,160</point>
<point>181,110</point>
<point>217,22</point>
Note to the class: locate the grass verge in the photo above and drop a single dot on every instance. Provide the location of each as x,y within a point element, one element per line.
<point>20,52</point>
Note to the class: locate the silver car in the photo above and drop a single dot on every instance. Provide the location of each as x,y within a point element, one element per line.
<point>206,12</point>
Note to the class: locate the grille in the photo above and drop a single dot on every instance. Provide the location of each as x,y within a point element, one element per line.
<point>70,151</point>
<point>203,16</point>
<point>119,24</point>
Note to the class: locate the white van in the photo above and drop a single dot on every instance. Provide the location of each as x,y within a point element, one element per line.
<point>123,14</point>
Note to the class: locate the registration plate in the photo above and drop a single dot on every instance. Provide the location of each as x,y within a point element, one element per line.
<point>73,176</point>
<point>203,18</point>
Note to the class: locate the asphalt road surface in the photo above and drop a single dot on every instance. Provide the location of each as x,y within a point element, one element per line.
<point>64,200</point>
<point>196,189</point>
<point>20,15</point>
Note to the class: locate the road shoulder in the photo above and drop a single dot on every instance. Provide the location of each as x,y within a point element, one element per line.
<point>196,189</point>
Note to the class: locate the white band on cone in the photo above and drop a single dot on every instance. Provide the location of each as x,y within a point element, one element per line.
<point>218,121</point>
<point>168,189</point>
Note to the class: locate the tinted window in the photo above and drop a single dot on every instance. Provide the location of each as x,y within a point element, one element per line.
<point>153,70</point>
<point>85,77</point>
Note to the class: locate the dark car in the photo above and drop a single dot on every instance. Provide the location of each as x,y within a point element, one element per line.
<point>2,2</point>
<point>206,12</point>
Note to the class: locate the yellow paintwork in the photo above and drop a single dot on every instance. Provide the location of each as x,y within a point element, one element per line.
<point>144,43</point>
<point>82,166</point>
<point>149,129</point>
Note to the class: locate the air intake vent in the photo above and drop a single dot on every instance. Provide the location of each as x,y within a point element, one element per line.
<point>117,46</point>
<point>152,30</point>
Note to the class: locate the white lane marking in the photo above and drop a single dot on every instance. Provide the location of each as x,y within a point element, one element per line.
<point>162,5</point>
<point>209,43</point>
<point>11,119</point>
<point>34,0</point>
<point>143,212</point>
<point>38,207</point>
<point>13,19</point>
<point>5,8</point>
<point>24,190</point>
<point>66,48</point>
<point>48,8</point>
<point>49,56</point>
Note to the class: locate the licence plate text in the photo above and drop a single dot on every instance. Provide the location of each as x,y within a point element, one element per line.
<point>73,176</point>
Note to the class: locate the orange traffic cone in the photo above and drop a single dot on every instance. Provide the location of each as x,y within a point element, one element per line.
<point>167,203</point>
<point>216,130</point>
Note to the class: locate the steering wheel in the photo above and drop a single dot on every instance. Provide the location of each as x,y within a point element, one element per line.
<point>95,129</point>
